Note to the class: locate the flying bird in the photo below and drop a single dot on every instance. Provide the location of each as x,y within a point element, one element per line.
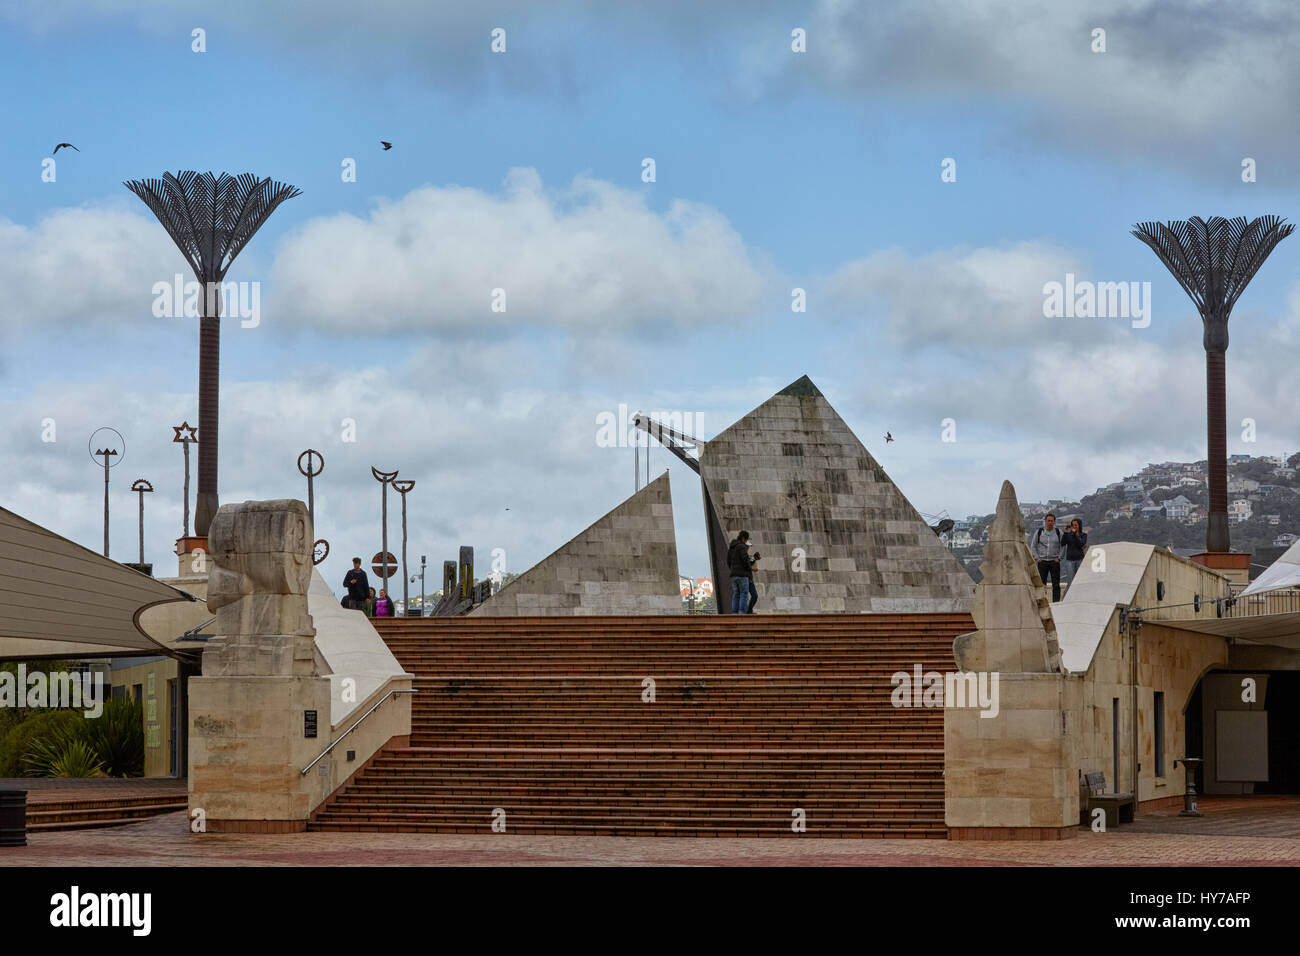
<point>383,142</point>
<point>889,436</point>
<point>61,145</point>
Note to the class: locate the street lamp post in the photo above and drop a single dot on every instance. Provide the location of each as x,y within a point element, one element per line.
<point>108,453</point>
<point>384,477</point>
<point>311,471</point>
<point>142,486</point>
<point>402,487</point>
<point>186,434</point>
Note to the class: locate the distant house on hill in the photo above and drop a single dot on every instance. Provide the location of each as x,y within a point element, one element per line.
<point>961,539</point>
<point>1284,540</point>
<point>1239,510</point>
<point>1177,509</point>
<point>1238,459</point>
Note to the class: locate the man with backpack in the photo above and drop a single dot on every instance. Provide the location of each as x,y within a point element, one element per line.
<point>1045,546</point>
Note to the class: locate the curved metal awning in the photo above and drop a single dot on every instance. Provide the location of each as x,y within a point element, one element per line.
<point>1282,573</point>
<point>1280,630</point>
<point>60,599</point>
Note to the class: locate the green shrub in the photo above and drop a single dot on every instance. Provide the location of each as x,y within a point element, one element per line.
<point>43,725</point>
<point>116,737</point>
<point>61,755</point>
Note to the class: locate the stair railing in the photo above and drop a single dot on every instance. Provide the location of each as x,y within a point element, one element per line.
<point>323,753</point>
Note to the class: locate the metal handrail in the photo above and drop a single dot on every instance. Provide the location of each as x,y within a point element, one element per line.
<point>323,753</point>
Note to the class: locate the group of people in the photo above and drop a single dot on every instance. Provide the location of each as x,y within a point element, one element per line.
<point>361,596</point>
<point>1048,546</point>
<point>740,565</point>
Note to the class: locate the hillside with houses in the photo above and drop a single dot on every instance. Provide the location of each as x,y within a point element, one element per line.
<point>1167,504</point>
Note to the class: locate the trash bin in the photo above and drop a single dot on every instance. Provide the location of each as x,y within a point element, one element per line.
<point>13,817</point>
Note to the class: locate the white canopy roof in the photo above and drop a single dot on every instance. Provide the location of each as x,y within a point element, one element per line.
<point>60,599</point>
<point>1282,573</point>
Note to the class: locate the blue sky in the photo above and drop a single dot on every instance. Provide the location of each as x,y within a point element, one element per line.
<point>775,169</point>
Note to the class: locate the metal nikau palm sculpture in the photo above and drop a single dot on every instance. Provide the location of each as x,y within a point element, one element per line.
<point>1214,260</point>
<point>210,219</point>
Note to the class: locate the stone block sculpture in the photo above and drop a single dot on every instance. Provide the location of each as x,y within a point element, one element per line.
<point>261,558</point>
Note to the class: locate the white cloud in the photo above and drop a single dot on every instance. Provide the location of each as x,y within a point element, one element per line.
<point>1174,74</point>
<point>990,295</point>
<point>80,264</point>
<point>591,256</point>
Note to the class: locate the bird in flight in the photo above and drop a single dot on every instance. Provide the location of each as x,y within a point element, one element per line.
<point>383,142</point>
<point>61,145</point>
<point>889,436</point>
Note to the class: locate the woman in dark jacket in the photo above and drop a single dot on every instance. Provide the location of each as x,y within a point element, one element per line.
<point>1075,542</point>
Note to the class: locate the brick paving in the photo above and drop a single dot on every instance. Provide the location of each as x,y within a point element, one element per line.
<point>1263,815</point>
<point>166,841</point>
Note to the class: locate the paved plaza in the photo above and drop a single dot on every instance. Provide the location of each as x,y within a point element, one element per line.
<point>1261,831</point>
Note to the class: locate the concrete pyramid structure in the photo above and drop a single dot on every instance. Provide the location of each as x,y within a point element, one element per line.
<point>835,534</point>
<point>625,563</point>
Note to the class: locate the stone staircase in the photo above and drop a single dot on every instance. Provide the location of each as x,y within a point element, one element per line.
<point>753,718</point>
<point>89,812</point>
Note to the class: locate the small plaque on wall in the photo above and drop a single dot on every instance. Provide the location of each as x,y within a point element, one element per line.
<point>309,723</point>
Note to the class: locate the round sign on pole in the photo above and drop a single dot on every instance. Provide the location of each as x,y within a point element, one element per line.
<point>378,561</point>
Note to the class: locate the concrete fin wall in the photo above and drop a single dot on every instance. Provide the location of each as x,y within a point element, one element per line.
<point>794,475</point>
<point>625,563</point>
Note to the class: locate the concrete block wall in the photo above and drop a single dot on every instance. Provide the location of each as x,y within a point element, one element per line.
<point>625,563</point>
<point>794,475</point>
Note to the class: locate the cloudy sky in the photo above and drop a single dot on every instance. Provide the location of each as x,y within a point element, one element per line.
<point>524,171</point>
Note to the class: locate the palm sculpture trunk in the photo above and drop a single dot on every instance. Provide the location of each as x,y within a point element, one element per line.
<point>1214,260</point>
<point>211,219</point>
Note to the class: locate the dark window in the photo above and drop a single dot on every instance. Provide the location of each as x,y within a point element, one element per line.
<point>1159,725</point>
<point>138,690</point>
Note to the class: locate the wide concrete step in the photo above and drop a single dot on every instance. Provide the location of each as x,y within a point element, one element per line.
<point>93,814</point>
<point>897,829</point>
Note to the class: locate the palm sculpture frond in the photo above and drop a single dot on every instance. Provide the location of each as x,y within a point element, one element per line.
<point>1214,260</point>
<point>211,219</point>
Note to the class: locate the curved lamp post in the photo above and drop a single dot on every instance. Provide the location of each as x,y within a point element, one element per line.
<point>402,487</point>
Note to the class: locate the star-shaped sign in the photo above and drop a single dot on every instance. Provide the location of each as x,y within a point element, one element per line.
<point>191,432</point>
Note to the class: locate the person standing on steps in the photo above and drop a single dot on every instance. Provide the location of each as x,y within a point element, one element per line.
<point>358,587</point>
<point>741,571</point>
<point>1045,546</point>
<point>1076,542</point>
